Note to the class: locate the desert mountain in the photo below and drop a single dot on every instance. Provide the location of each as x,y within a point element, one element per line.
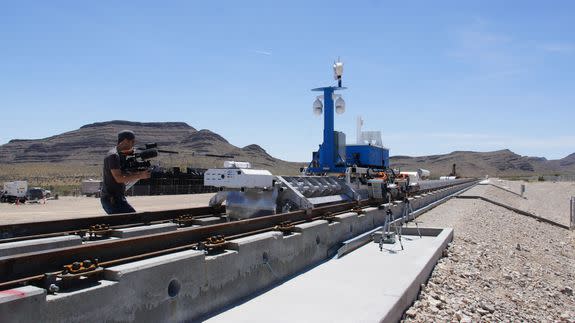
<point>89,144</point>
<point>494,163</point>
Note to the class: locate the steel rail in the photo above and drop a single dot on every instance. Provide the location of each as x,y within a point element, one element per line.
<point>22,268</point>
<point>85,232</point>
<point>192,246</point>
<point>32,264</point>
<point>44,229</point>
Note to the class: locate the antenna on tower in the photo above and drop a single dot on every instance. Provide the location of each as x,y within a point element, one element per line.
<point>338,71</point>
<point>358,138</point>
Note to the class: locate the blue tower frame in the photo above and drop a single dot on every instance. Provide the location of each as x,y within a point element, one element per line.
<point>324,160</point>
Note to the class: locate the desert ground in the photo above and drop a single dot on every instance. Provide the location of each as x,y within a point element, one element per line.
<point>74,207</point>
<point>502,266</point>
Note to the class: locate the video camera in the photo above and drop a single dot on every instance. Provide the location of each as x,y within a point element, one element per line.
<point>140,159</point>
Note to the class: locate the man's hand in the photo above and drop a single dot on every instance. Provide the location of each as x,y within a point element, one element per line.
<point>120,177</point>
<point>144,174</point>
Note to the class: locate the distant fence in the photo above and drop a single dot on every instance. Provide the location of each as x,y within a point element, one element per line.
<point>169,188</point>
<point>172,182</point>
<point>548,178</point>
<point>560,178</point>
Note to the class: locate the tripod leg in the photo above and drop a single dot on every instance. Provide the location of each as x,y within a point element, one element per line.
<point>398,232</point>
<point>414,221</point>
<point>383,232</point>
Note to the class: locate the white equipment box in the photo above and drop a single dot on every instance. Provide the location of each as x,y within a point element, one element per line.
<point>238,178</point>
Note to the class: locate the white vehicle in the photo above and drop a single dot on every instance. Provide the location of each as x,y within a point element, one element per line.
<point>91,187</point>
<point>14,191</point>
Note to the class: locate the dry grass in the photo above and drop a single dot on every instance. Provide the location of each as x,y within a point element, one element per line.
<point>62,179</point>
<point>66,178</point>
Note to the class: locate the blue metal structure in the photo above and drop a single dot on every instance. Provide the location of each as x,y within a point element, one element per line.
<point>368,156</point>
<point>334,156</point>
<point>327,159</point>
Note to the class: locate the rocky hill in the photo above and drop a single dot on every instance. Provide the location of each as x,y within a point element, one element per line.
<point>89,144</point>
<point>494,163</point>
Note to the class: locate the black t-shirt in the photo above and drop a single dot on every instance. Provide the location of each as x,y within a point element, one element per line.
<point>110,187</point>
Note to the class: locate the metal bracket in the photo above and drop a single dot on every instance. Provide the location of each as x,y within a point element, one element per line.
<point>99,230</point>
<point>72,275</point>
<point>328,216</point>
<point>285,227</point>
<point>78,268</point>
<point>184,220</point>
<point>213,244</point>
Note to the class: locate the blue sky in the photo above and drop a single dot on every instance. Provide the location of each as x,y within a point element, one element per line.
<point>433,76</point>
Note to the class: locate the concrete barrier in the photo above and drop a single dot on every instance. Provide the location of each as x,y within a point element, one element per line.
<point>25,246</point>
<point>22,304</point>
<point>190,285</point>
<point>144,230</point>
<point>368,285</point>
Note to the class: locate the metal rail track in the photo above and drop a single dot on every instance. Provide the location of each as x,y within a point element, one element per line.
<point>20,267</point>
<point>31,267</point>
<point>45,229</point>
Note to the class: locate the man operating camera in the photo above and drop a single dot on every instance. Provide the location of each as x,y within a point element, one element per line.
<point>113,195</point>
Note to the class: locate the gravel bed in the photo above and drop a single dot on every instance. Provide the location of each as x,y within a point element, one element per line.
<point>545,199</point>
<point>500,267</point>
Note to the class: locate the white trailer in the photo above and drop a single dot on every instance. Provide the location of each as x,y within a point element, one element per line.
<point>91,187</point>
<point>14,191</point>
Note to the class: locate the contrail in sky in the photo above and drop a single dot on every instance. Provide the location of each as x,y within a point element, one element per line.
<point>263,52</point>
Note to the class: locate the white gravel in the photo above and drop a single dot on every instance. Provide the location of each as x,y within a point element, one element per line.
<point>500,267</point>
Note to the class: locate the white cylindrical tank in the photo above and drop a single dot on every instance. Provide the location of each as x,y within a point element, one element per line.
<point>236,164</point>
<point>423,173</point>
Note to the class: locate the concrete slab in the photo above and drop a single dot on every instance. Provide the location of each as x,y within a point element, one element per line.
<point>189,285</point>
<point>348,227</point>
<point>144,230</point>
<point>20,293</point>
<point>388,282</point>
<point>18,247</point>
<point>15,304</point>
<point>158,289</point>
<point>209,220</point>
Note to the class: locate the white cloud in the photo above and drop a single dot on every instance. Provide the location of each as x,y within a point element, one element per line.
<point>263,52</point>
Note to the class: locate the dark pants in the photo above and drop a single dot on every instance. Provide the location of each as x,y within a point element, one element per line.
<point>116,204</point>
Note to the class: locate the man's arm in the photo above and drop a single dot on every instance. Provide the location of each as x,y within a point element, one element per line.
<point>121,178</point>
